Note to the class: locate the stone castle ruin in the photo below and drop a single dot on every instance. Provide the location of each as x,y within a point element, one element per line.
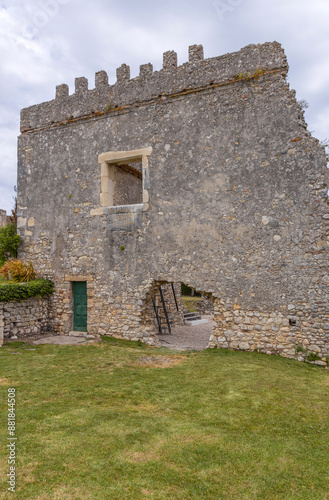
<point>202,173</point>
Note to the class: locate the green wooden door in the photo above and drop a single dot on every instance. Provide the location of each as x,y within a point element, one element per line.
<point>80,306</point>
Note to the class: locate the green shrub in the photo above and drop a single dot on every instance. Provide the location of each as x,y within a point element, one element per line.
<point>9,242</point>
<point>10,292</point>
<point>187,291</point>
<point>313,356</point>
<point>17,271</point>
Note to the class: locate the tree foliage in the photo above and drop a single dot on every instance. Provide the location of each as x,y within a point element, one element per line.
<point>9,242</point>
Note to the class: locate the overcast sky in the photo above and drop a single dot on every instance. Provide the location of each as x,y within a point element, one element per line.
<point>44,43</point>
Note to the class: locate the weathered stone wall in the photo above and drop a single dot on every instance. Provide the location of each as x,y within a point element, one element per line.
<point>24,319</point>
<point>174,307</point>
<point>234,200</point>
<point>151,86</point>
<point>293,335</point>
<point>205,306</point>
<point>129,190</point>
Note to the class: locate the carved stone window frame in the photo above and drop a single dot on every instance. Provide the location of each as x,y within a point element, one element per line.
<point>111,159</point>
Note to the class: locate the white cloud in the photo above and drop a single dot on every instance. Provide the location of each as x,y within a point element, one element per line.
<point>47,42</point>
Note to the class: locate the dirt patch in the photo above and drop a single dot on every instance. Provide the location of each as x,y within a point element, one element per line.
<point>140,456</point>
<point>5,381</point>
<point>147,492</point>
<point>65,493</point>
<point>159,361</point>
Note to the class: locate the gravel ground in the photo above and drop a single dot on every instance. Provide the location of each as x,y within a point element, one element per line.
<point>183,338</point>
<point>186,338</point>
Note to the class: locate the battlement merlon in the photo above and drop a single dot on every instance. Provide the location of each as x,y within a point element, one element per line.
<point>171,79</point>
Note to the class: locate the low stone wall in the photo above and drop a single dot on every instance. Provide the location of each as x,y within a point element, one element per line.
<point>23,319</point>
<point>205,306</point>
<point>296,335</point>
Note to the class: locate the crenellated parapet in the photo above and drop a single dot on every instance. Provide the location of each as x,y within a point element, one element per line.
<point>171,79</point>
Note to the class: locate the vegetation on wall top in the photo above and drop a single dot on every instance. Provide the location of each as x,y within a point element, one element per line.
<point>17,271</point>
<point>18,281</point>
<point>10,292</point>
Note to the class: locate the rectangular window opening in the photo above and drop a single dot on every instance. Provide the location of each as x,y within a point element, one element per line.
<point>128,183</point>
<point>125,178</point>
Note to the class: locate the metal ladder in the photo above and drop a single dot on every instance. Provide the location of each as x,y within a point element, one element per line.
<point>163,317</point>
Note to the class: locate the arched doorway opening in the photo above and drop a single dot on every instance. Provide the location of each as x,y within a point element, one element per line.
<point>182,315</point>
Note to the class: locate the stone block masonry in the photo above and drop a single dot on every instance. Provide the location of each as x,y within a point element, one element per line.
<point>203,173</point>
<point>150,86</point>
<point>23,319</point>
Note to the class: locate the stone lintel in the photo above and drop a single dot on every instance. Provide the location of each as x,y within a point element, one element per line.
<point>123,156</point>
<point>74,277</point>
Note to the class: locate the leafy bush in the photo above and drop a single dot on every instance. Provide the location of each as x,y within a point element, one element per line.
<point>17,271</point>
<point>9,242</point>
<point>313,356</point>
<point>14,291</point>
<point>187,291</point>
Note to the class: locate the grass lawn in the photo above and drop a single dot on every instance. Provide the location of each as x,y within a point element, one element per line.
<point>117,420</point>
<point>190,303</point>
